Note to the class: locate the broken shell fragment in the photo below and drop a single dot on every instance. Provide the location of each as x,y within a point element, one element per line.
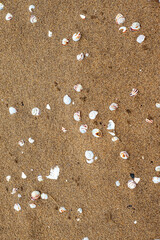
<point>140,38</point>
<point>113,106</point>
<point>76,37</point>
<point>14,190</point>
<point>36,111</point>
<point>157,168</point>
<point>78,87</point>
<point>82,16</point>
<point>158,105</point>
<point>49,34</point>
<point>67,100</point>
<point>35,195</point>
<point>134,92</point>
<point>79,210</point>
<point>12,110</point>
<point>21,143</point>
<point>1,6</point>
<point>124,155</point>
<point>93,114</point>
<point>8,178</point>
<point>119,18</point>
<point>112,133</point>
<point>23,175</point>
<point>85,238</point>
<point>77,116</point>
<point>31,140</point>
<point>83,128</point>
<point>149,120</point>
<point>136,180</point>
<point>111,125</point>
<point>156,179</point>
<point>17,207</point>
<point>44,196</point>
<point>114,139</point>
<point>9,16</point>
<point>131,184</point>
<point>96,133</point>
<point>32,205</point>
<point>62,209</point>
<point>124,29</point>
<point>65,41</point>
<point>33,19</point>
<point>48,107</point>
<point>40,179</point>
<point>64,130</point>
<point>89,154</point>
<point>54,173</point>
<point>31,8</point>
<point>89,161</point>
<point>80,56</point>
<point>117,183</point>
<point>135,26</point>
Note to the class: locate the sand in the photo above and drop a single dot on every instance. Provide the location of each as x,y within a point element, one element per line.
<point>37,70</point>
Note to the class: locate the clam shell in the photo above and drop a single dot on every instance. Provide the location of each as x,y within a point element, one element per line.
<point>23,175</point>
<point>44,196</point>
<point>35,195</point>
<point>114,139</point>
<point>33,19</point>
<point>78,87</point>
<point>156,179</point>
<point>119,18</point>
<point>80,56</point>
<point>134,92</point>
<point>93,114</point>
<point>1,6</point>
<point>124,29</point>
<point>62,209</point>
<point>67,100</point>
<point>76,36</point>
<point>89,154</point>
<point>32,205</point>
<point>9,16</point>
<point>83,128</point>
<point>140,38</point>
<point>17,207</point>
<point>31,8</point>
<point>135,26</point>
<point>124,155</point>
<point>158,105</point>
<point>131,184</point>
<point>21,143</point>
<point>36,111</point>
<point>77,116</point>
<point>157,168</point>
<point>113,106</point>
<point>12,110</point>
<point>54,173</point>
<point>111,125</point>
<point>149,120</point>
<point>65,41</point>
<point>80,210</point>
<point>82,16</point>
<point>96,133</point>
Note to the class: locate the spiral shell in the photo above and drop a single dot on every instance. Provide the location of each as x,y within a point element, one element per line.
<point>36,111</point>
<point>35,195</point>
<point>135,26</point>
<point>67,100</point>
<point>124,155</point>
<point>65,41</point>
<point>77,116</point>
<point>83,128</point>
<point>96,133</point>
<point>62,209</point>
<point>9,16</point>
<point>149,120</point>
<point>76,36</point>
<point>119,18</point>
<point>78,87</point>
<point>134,92</point>
<point>17,207</point>
<point>93,114</point>
<point>33,19</point>
<point>131,184</point>
<point>113,106</point>
<point>80,56</point>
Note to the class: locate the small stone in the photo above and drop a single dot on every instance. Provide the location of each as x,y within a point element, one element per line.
<point>85,238</point>
<point>124,155</point>
<point>64,130</point>
<point>65,41</point>
<point>23,175</point>
<point>111,125</point>
<point>156,179</point>
<point>19,195</point>
<point>17,207</point>
<point>157,168</point>
<point>78,87</point>
<point>158,105</point>
<point>114,139</point>
<point>76,37</point>
<point>89,154</point>
<point>54,173</point>
<point>96,133</point>
<point>131,184</point>
<point>140,38</point>
<point>135,222</point>
<point>136,180</point>
<point>1,6</point>
<point>80,56</point>
<point>12,110</point>
<point>77,116</point>
<point>83,128</point>
<point>62,209</point>
<point>33,19</point>
<point>14,190</point>
<point>82,16</point>
<point>113,106</point>
<point>35,195</point>
<point>132,175</point>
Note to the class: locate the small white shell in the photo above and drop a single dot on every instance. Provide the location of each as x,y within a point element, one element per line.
<point>158,105</point>
<point>82,16</point>
<point>49,34</point>
<point>32,205</point>
<point>76,37</point>
<point>117,183</point>
<point>35,195</point>
<point>131,184</point>
<point>111,125</point>
<point>12,110</point>
<point>93,114</point>
<point>67,100</point>
<point>19,195</point>
<point>31,8</point>
<point>64,130</point>
<point>96,133</point>
<point>119,18</point>
<point>83,128</point>
<point>62,209</point>
<point>80,56</point>
<point>40,179</point>
<point>36,111</point>
<point>54,173</point>
<point>156,179</point>
<point>31,140</point>
<point>113,106</point>
<point>8,178</point>
<point>85,238</point>
<point>157,168</point>
<point>136,180</point>
<point>48,107</point>
<point>114,139</point>
<point>89,161</point>
<point>124,29</point>
<point>77,116</point>
<point>140,38</point>
<point>124,155</point>
<point>9,16</point>
<point>79,210</point>
<point>1,6</point>
<point>135,26</point>
<point>65,41</point>
<point>78,87</point>
<point>23,175</point>
<point>17,207</point>
<point>33,19</point>
<point>21,143</point>
<point>14,190</point>
<point>134,92</point>
<point>44,196</point>
<point>87,55</point>
<point>89,154</point>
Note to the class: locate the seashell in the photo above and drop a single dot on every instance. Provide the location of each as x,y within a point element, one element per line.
<point>40,179</point>
<point>131,184</point>
<point>12,110</point>
<point>62,209</point>
<point>1,6</point>
<point>96,133</point>
<point>135,222</point>
<point>64,130</point>
<point>54,173</point>
<point>76,37</point>
<point>31,8</point>
<point>93,114</point>
<point>33,19</point>
<point>65,41</point>
<point>89,161</point>
<point>156,179</point>
<point>79,210</point>
<point>19,195</point>
<point>140,38</point>
<point>17,207</point>
<point>14,190</point>
<point>21,143</point>
<point>113,106</point>
<point>35,195</point>
<point>83,128</point>
<point>136,180</point>
<point>89,154</point>
<point>114,139</point>
<point>111,125</point>
<point>117,183</point>
<point>135,26</point>
<point>134,92</point>
<point>85,238</point>
<point>9,16</point>
<point>77,116</point>
<point>36,111</point>
<point>112,133</point>
<point>8,178</point>
<point>119,18</point>
<point>44,196</point>
<point>124,29</point>
<point>157,168</point>
<point>32,205</point>
<point>49,34</point>
<point>48,107</point>
<point>23,175</point>
<point>124,155</point>
<point>78,87</point>
<point>149,120</point>
<point>67,100</point>
<point>30,140</point>
<point>80,56</point>
<point>158,105</point>
<point>82,16</point>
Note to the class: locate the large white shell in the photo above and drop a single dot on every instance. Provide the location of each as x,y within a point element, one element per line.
<point>76,37</point>
<point>77,116</point>
<point>93,114</point>
<point>44,196</point>
<point>96,133</point>
<point>9,16</point>
<point>89,154</point>
<point>111,125</point>
<point>62,209</point>
<point>156,179</point>
<point>158,105</point>
<point>8,178</point>
<point>35,195</point>
<point>157,168</point>
<point>80,56</point>
<point>32,205</point>
<point>54,173</point>
<point>124,155</point>
<point>1,6</point>
<point>31,8</point>
<point>12,110</point>
<point>78,87</point>
<point>119,18</point>
<point>83,128</point>
<point>65,41</point>
<point>33,19</point>
<point>36,111</point>
<point>140,38</point>
<point>135,26</point>
<point>21,143</point>
<point>113,106</point>
<point>67,100</point>
<point>131,184</point>
<point>23,175</point>
<point>17,207</point>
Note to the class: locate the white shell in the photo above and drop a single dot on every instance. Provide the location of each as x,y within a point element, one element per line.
<point>83,128</point>
<point>21,143</point>
<point>136,180</point>
<point>1,6</point>
<point>149,120</point>
<point>158,105</point>
<point>96,133</point>
<point>85,238</point>
<point>65,41</point>
<point>36,111</point>
<point>33,19</point>
<point>12,110</point>
<point>78,87</point>
<point>67,100</point>
<point>117,183</point>
<point>124,155</point>
<point>93,114</point>
<point>54,173</point>
<point>77,116</point>
<point>82,16</point>
<point>89,161</point>
<point>8,178</point>
<point>23,175</point>
<point>14,190</point>
<point>87,55</point>
<point>44,196</point>
<point>48,107</point>
<point>89,154</point>
<point>157,168</point>
<point>19,195</point>
<point>80,56</point>
<point>32,205</point>
<point>112,133</point>
<point>76,37</point>
<point>111,125</point>
<point>64,130</point>
<point>124,29</point>
<point>31,8</point>
<point>114,139</point>
<point>17,207</point>
<point>35,195</point>
<point>40,179</point>
<point>156,179</point>
<point>119,18</point>
<point>62,209</point>
<point>31,140</point>
<point>140,38</point>
<point>131,184</point>
<point>49,34</point>
<point>135,26</point>
<point>79,210</point>
<point>9,16</point>
<point>113,106</point>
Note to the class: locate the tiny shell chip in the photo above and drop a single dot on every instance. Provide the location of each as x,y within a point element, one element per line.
<point>80,56</point>
<point>140,38</point>
<point>79,210</point>
<point>156,179</point>
<point>9,16</point>
<point>19,195</point>
<point>83,128</point>
<point>8,178</point>
<point>78,87</point>
<point>62,209</point>
<point>82,16</point>
<point>65,41</point>
<point>124,29</point>
<point>93,114</point>
<point>134,92</point>
<point>32,205</point>
<point>67,100</point>
<point>112,133</point>
<point>120,19</point>
<point>17,207</point>
<point>31,140</point>
<point>48,107</point>
<point>40,179</point>
<point>54,173</point>
<point>1,6</point>
<point>89,154</point>
<point>117,183</point>
<point>49,34</point>
<point>35,195</point>
<point>136,180</point>
<point>77,116</point>
<point>135,26</point>
<point>76,37</point>
<point>114,139</point>
<point>21,143</point>
<point>157,168</point>
<point>36,111</point>
<point>31,8</point>
<point>111,125</point>
<point>158,105</point>
<point>89,161</point>
<point>113,106</point>
<point>124,155</point>
<point>12,110</point>
<point>131,184</point>
<point>44,196</point>
<point>14,190</point>
<point>149,120</point>
<point>23,175</point>
<point>96,133</point>
<point>33,19</point>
